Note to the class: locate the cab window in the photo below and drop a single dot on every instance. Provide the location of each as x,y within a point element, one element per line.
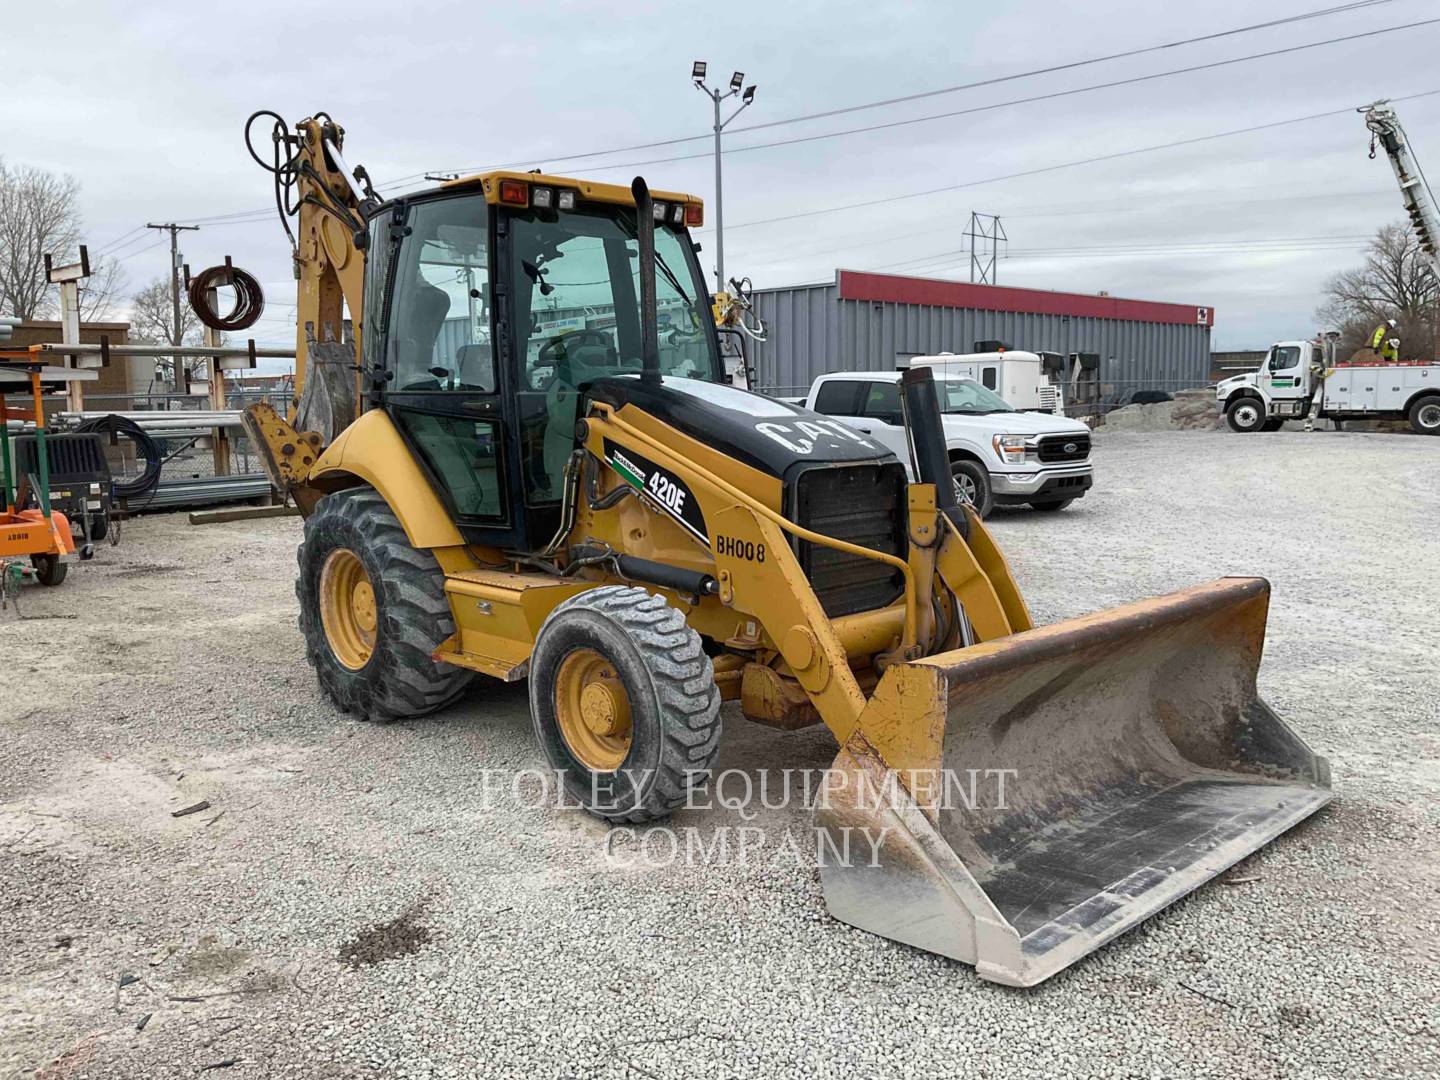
<point>439,332</point>
<point>839,397</point>
<point>882,402</point>
<point>1284,357</point>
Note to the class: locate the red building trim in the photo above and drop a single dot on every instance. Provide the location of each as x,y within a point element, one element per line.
<point>895,289</point>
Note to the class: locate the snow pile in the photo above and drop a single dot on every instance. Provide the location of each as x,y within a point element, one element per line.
<point>1192,410</point>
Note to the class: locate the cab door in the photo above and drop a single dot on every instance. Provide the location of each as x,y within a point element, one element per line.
<point>1284,374</point>
<point>431,313</point>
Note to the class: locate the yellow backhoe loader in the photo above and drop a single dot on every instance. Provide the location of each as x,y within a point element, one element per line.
<point>523,461</point>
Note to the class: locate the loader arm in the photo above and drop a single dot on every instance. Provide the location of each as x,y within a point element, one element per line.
<point>329,258</point>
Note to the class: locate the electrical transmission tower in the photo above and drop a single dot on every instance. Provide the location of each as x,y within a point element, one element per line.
<point>985,235</point>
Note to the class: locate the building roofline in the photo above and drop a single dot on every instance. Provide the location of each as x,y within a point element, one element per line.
<point>938,292</point>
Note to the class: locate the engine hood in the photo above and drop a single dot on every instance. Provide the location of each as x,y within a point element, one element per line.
<point>763,432</point>
<point>1224,386</point>
<point>1015,423</point>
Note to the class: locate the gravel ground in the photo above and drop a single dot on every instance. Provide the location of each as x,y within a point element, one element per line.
<point>350,906</point>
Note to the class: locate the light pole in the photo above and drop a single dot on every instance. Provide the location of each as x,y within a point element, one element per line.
<point>737,81</point>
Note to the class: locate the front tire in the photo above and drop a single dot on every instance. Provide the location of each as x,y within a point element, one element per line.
<point>972,485</point>
<point>49,570</point>
<point>624,702</point>
<point>373,609</point>
<point>1247,414</point>
<point>1425,416</point>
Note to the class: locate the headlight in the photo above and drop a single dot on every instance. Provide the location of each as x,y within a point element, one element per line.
<point>1010,448</point>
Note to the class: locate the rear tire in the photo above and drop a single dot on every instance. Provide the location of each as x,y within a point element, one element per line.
<point>366,595</point>
<point>972,485</point>
<point>1425,416</point>
<point>1051,507</point>
<point>49,570</point>
<point>1247,414</point>
<point>624,702</point>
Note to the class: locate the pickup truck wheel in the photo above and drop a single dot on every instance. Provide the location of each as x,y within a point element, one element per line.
<point>1425,416</point>
<point>1247,414</point>
<point>972,485</point>
<point>1051,507</point>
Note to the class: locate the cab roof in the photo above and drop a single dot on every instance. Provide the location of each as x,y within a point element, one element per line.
<point>590,190</point>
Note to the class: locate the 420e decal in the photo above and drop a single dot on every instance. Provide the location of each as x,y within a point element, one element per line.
<point>660,486</point>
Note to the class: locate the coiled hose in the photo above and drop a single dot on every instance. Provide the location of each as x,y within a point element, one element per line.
<point>145,447</point>
<point>249,298</point>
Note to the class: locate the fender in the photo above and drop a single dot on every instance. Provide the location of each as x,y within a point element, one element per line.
<point>381,458</point>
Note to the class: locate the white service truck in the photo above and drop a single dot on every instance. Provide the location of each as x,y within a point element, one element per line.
<point>1026,380</point>
<point>999,455</point>
<point>1298,380</point>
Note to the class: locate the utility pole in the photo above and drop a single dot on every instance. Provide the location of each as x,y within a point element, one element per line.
<point>737,81</point>
<point>984,266</point>
<point>175,230</point>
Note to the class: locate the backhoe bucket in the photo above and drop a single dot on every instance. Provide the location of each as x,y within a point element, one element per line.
<point>1035,796</point>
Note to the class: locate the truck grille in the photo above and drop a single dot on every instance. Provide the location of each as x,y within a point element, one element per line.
<point>1063,448</point>
<point>865,505</point>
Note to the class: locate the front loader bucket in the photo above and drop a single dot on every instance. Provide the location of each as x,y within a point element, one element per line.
<point>1035,796</point>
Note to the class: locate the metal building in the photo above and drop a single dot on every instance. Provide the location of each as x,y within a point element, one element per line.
<point>869,322</point>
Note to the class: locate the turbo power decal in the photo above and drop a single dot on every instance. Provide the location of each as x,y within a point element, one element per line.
<point>659,486</point>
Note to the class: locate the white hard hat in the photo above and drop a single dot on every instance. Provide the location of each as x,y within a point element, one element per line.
<point>1394,343</point>
<point>1391,323</point>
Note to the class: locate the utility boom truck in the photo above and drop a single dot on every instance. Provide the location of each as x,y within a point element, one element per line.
<point>1300,379</point>
<point>594,510</point>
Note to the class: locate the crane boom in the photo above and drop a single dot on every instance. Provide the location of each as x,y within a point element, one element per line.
<point>1387,132</point>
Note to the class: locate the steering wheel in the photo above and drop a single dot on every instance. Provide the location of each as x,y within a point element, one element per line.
<point>564,342</point>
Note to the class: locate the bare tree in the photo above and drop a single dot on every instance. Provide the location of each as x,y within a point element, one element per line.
<point>152,318</point>
<point>39,216</point>
<point>1397,281</point>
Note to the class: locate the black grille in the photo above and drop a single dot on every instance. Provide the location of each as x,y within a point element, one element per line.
<point>76,456</point>
<point>864,504</point>
<point>1064,448</point>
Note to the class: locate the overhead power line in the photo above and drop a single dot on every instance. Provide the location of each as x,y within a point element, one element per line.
<point>1025,100</point>
<point>1194,140</point>
<point>261,212</point>
<point>995,81</point>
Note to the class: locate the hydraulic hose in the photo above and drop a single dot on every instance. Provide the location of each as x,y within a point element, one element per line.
<point>145,447</point>
<point>249,297</point>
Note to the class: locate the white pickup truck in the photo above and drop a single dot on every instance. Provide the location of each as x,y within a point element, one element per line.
<point>1298,378</point>
<point>998,455</point>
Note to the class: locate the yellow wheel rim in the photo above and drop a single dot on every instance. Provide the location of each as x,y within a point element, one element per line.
<point>593,710</point>
<point>347,608</point>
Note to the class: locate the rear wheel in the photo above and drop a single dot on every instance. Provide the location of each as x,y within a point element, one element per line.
<point>1247,414</point>
<point>373,609</point>
<point>49,570</point>
<point>972,485</point>
<point>1425,416</point>
<point>1051,507</point>
<point>624,702</point>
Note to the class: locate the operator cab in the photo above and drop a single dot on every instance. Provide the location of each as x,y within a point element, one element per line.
<point>492,304</point>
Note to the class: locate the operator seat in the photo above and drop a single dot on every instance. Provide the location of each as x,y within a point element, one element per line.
<point>420,315</point>
<point>582,364</point>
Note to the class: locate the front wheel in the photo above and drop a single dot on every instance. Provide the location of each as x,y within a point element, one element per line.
<point>373,609</point>
<point>1247,414</point>
<point>972,485</point>
<point>624,702</point>
<point>1425,416</point>
<point>49,570</point>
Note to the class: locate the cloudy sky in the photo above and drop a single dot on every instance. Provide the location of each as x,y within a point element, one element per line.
<point>144,103</point>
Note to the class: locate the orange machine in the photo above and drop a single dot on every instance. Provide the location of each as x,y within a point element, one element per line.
<point>40,534</point>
